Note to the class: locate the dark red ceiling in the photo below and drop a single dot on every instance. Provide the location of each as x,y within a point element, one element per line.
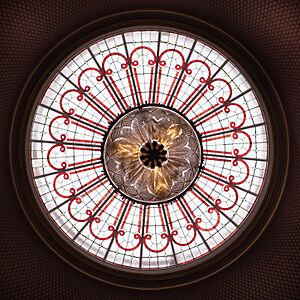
<point>270,30</point>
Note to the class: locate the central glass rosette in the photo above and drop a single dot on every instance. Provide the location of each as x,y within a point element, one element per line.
<point>152,154</point>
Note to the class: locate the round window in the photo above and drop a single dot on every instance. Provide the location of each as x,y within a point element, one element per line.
<point>149,152</point>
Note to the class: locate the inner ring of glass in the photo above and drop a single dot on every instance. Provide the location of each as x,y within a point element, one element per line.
<point>152,154</point>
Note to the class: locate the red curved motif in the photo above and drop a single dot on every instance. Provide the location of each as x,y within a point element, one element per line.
<point>136,236</point>
<point>109,71</point>
<point>135,63</point>
<point>163,235</point>
<point>210,210</point>
<point>78,200</point>
<point>110,229</point>
<point>71,111</point>
<point>63,164</point>
<point>219,201</point>
<point>235,136</point>
<point>227,111</point>
<point>235,163</point>
<point>189,227</point>
<point>65,176</point>
<point>99,78</point>
<point>211,87</point>
<point>189,71</point>
<point>163,63</point>
<point>63,136</point>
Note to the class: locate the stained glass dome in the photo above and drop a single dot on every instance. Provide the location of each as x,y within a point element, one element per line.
<point>149,149</point>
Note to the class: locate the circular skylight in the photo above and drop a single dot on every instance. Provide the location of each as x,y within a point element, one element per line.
<point>149,150</point>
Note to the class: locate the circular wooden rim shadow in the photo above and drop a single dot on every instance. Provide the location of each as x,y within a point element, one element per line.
<point>257,77</point>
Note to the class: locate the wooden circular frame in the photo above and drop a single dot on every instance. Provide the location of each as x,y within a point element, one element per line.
<point>255,75</point>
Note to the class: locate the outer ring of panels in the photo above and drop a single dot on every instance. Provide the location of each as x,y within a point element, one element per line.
<point>142,276</point>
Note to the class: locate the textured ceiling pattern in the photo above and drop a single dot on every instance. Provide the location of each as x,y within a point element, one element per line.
<point>270,30</point>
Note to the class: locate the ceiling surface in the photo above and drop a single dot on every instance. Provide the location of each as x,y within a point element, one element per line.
<point>268,29</point>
